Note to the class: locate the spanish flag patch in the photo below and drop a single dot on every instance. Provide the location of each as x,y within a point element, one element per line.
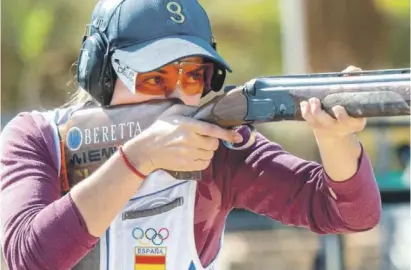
<point>150,258</point>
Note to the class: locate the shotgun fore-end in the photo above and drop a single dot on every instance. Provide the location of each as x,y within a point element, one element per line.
<point>375,93</point>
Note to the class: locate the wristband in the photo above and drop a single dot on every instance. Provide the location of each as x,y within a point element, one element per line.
<point>129,165</point>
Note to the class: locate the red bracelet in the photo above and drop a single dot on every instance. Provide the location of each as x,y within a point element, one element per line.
<point>129,165</point>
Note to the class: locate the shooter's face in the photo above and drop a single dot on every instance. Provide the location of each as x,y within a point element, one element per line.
<point>183,80</point>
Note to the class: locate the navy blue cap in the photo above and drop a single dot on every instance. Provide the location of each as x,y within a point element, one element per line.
<point>148,34</point>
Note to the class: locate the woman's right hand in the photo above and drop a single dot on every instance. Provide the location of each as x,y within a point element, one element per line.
<point>177,142</point>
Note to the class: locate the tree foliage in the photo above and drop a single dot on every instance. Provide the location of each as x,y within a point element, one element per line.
<point>41,40</point>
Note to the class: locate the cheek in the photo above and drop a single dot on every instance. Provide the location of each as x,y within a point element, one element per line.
<point>125,97</point>
<point>190,100</point>
<point>139,97</point>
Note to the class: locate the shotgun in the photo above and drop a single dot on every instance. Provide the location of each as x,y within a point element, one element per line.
<point>92,134</point>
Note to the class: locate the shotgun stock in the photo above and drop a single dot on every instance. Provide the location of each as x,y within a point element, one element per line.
<point>91,135</point>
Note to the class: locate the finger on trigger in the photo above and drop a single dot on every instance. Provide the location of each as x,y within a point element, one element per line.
<point>206,143</point>
<point>211,130</point>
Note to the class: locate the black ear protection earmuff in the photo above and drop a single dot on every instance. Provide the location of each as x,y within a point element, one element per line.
<point>219,74</point>
<point>96,75</point>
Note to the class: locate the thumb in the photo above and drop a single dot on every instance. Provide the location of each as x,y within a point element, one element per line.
<point>352,69</point>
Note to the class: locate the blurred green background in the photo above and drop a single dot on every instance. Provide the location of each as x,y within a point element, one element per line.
<point>41,40</point>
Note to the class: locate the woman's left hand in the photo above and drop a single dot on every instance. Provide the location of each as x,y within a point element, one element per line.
<point>325,126</point>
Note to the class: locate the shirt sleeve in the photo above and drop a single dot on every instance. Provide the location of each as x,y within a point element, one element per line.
<point>40,229</point>
<point>267,180</point>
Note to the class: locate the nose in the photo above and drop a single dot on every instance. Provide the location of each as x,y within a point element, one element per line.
<point>190,100</point>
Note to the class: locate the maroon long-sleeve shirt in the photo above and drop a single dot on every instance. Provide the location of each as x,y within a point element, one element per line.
<point>43,230</point>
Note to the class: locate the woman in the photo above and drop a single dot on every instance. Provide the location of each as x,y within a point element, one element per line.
<point>138,214</point>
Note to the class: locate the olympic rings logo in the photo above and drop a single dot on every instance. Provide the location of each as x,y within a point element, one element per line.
<point>150,235</point>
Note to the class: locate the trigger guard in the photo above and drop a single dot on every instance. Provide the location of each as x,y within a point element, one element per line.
<point>242,146</point>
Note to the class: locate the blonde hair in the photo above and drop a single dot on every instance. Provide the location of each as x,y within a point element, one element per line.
<point>80,96</point>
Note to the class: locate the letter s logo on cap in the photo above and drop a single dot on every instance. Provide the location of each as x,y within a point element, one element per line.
<point>175,9</point>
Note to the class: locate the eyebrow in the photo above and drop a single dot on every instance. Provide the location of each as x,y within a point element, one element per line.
<point>197,69</point>
<point>162,71</point>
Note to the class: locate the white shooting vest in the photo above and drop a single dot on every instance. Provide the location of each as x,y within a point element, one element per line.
<point>154,231</point>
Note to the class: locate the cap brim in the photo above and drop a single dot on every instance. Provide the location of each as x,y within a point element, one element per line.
<point>154,54</point>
